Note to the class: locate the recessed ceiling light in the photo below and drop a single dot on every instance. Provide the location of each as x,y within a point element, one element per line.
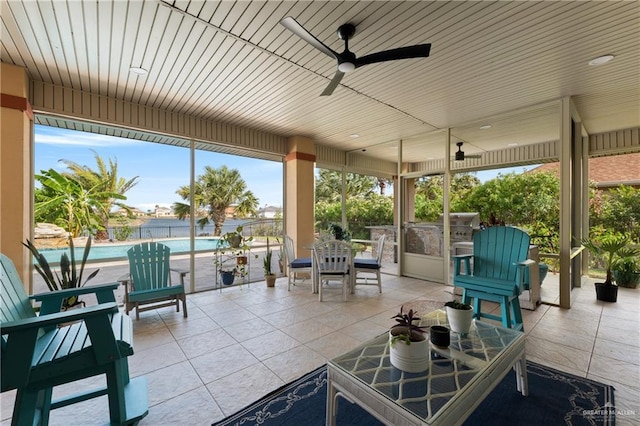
<point>513,144</point>
<point>355,135</point>
<point>601,60</point>
<point>138,70</point>
<point>485,126</point>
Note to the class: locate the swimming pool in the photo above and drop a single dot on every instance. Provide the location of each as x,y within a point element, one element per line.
<point>119,251</point>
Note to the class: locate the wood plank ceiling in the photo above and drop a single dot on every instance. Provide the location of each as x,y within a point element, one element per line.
<point>500,63</point>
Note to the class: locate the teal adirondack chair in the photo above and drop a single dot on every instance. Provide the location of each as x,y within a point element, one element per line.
<point>149,280</point>
<point>39,352</point>
<point>498,273</point>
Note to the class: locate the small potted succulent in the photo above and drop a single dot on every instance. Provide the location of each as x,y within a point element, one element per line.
<point>408,342</point>
<point>459,315</point>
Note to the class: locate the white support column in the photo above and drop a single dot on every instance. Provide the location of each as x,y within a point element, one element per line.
<point>400,209</point>
<point>565,202</point>
<point>192,217</point>
<point>446,226</point>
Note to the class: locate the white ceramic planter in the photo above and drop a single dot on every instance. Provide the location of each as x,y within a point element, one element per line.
<point>459,319</point>
<point>412,358</point>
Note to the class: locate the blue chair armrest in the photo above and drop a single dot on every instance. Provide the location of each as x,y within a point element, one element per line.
<point>44,321</point>
<point>467,263</point>
<point>52,301</point>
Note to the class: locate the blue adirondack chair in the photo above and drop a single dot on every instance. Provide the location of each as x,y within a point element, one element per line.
<point>39,352</point>
<point>499,262</point>
<point>149,280</point>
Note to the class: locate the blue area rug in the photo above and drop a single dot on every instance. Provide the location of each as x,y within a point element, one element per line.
<point>555,398</point>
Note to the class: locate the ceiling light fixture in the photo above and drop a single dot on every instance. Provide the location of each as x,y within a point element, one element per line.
<point>485,126</point>
<point>138,71</point>
<point>355,135</point>
<point>601,60</point>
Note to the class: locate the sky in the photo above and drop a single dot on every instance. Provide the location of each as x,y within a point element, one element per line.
<point>162,169</point>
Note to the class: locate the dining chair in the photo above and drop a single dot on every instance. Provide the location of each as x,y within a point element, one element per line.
<point>295,265</point>
<point>333,262</point>
<point>368,267</point>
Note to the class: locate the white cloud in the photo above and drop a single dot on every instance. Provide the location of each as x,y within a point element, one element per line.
<point>82,139</point>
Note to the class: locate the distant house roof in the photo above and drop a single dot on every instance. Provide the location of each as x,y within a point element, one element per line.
<point>607,172</point>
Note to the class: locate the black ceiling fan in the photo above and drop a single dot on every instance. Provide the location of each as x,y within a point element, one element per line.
<point>459,156</point>
<point>347,60</point>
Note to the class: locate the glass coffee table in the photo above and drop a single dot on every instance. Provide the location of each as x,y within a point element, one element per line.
<point>456,382</point>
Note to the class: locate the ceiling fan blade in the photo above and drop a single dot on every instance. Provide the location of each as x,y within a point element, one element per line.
<point>333,84</point>
<point>293,26</point>
<point>408,52</point>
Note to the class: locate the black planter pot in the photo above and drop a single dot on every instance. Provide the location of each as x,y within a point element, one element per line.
<point>606,293</point>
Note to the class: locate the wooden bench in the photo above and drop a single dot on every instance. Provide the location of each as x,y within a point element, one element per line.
<point>41,352</point>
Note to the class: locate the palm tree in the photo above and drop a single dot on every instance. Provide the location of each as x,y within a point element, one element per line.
<point>62,200</point>
<point>215,191</point>
<point>105,179</point>
<point>329,184</point>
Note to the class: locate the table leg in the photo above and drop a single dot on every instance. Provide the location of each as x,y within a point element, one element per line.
<point>521,376</point>
<point>331,404</point>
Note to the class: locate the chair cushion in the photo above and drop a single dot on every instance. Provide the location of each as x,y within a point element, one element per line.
<point>366,264</point>
<point>303,262</point>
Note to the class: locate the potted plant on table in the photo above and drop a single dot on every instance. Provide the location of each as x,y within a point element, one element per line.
<point>339,233</point>
<point>70,276</point>
<point>609,248</point>
<point>269,276</point>
<point>459,315</point>
<point>409,346</point>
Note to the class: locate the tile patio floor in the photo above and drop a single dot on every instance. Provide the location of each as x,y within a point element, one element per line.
<point>242,343</point>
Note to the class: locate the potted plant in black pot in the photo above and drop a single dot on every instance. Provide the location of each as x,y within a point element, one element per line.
<point>409,346</point>
<point>608,248</point>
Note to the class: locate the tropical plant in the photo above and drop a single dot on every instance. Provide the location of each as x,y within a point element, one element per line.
<point>266,261</point>
<point>454,304</point>
<point>618,210</point>
<point>626,270</point>
<point>338,232</point>
<point>106,180</point>
<point>124,231</point>
<point>361,212</point>
<point>506,199</point>
<point>214,192</point>
<point>64,201</point>
<point>329,184</point>
<point>69,277</point>
<point>405,330</point>
<point>609,248</point>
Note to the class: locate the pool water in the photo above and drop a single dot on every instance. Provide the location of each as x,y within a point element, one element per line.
<point>119,251</point>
